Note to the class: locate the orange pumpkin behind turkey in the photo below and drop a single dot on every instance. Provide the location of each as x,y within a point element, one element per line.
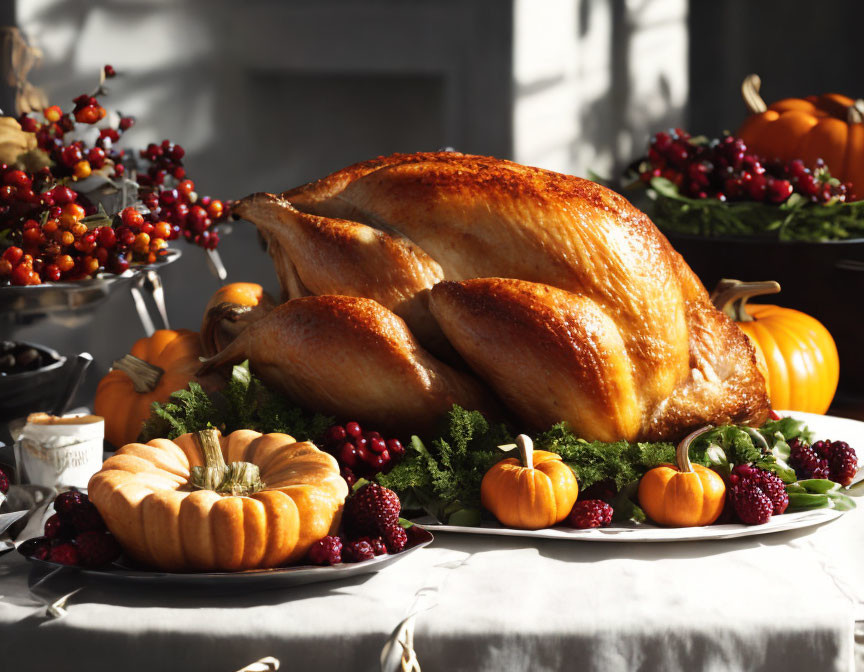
<point>157,366</point>
<point>230,310</point>
<point>828,127</point>
<point>795,352</point>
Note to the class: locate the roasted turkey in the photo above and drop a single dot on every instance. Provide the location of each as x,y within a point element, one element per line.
<point>555,291</point>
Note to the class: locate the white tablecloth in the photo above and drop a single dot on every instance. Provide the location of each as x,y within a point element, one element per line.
<point>781,602</point>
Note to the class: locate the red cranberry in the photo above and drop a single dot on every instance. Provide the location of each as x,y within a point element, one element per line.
<point>394,446</point>
<point>348,454</point>
<point>334,435</point>
<point>354,429</point>
<point>377,445</point>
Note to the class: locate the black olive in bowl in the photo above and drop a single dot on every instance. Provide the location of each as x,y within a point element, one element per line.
<point>31,378</point>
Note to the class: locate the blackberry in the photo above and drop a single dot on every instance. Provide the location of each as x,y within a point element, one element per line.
<point>768,482</point>
<point>357,551</point>
<point>395,537</point>
<point>806,460</point>
<point>588,513</point>
<point>326,551</point>
<point>842,461</point>
<point>370,511</point>
<point>97,548</point>
<point>752,506</point>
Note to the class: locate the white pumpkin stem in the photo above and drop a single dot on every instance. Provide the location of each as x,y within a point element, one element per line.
<point>750,92</point>
<point>682,452</point>
<point>145,376</point>
<point>730,296</point>
<point>855,112</point>
<point>526,450</point>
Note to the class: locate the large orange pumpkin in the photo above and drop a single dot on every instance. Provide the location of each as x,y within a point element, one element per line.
<point>532,491</point>
<point>157,366</point>
<point>828,127</point>
<point>796,352</point>
<point>230,310</point>
<point>207,502</point>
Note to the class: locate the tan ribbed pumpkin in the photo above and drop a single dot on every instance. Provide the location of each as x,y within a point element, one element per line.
<point>206,502</point>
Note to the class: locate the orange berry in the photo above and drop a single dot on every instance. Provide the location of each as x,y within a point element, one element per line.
<point>90,265</point>
<point>5,267</point>
<point>74,210</point>
<point>53,113</point>
<point>215,209</point>
<point>67,238</point>
<point>50,226</point>
<point>162,229</point>
<point>64,262</point>
<point>157,244</point>
<point>78,229</point>
<point>81,170</point>
<point>142,243</point>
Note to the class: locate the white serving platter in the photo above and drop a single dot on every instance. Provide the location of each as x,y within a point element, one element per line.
<point>823,427</point>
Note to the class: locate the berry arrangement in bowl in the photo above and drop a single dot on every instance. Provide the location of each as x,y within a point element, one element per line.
<point>720,187</point>
<point>73,204</point>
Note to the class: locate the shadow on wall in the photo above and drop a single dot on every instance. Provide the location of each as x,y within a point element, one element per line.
<point>641,98</point>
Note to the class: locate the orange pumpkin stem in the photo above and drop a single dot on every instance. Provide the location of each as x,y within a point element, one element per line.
<point>526,450</point>
<point>682,452</point>
<point>145,376</point>
<point>750,92</point>
<point>731,296</point>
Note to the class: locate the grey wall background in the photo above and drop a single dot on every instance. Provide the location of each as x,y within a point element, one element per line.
<point>267,94</point>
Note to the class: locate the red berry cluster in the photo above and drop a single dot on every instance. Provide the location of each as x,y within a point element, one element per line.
<point>48,228</point>
<point>588,513</point>
<point>361,454</point>
<point>834,460</point>
<point>756,494</point>
<point>371,527</point>
<point>75,535</point>
<point>724,169</point>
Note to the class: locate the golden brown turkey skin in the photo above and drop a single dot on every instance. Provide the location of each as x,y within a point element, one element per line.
<point>667,360</point>
<point>551,355</point>
<point>341,257</point>
<point>483,217</point>
<point>352,358</point>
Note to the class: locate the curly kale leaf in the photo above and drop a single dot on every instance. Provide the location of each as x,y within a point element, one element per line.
<point>244,403</point>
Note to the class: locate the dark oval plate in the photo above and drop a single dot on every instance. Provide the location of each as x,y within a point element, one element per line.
<point>283,576</point>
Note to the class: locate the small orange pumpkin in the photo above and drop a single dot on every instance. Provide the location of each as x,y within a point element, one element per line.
<point>828,127</point>
<point>686,495</point>
<point>800,361</point>
<point>157,366</point>
<point>207,502</point>
<point>230,310</point>
<point>530,492</point>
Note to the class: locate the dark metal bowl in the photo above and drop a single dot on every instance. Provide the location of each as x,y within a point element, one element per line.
<point>30,391</point>
<point>825,280</point>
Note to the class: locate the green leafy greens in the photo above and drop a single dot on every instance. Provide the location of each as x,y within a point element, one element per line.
<point>443,476</point>
<point>795,219</point>
<point>244,403</point>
